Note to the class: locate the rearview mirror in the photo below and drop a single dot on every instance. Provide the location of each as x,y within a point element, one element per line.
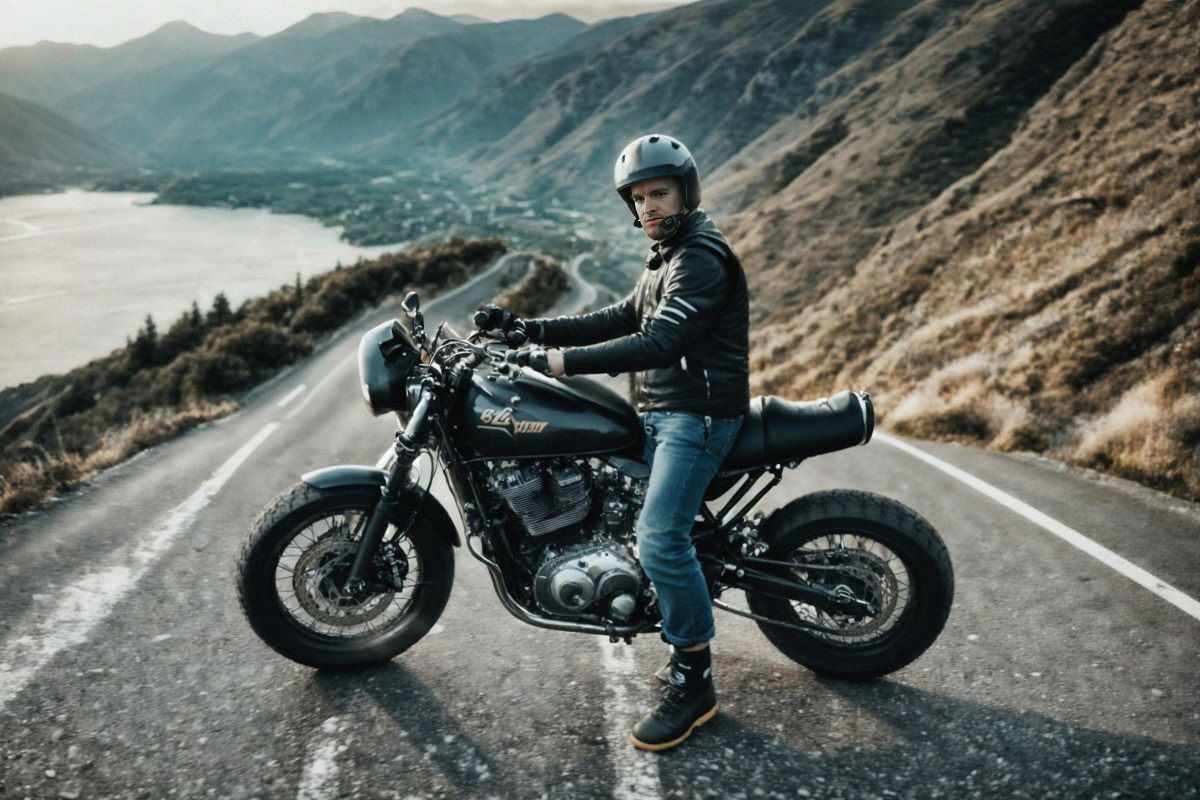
<point>411,304</point>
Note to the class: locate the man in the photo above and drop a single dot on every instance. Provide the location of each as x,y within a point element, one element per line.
<point>684,330</point>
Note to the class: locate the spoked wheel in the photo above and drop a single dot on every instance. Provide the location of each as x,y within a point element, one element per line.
<point>294,566</point>
<point>866,548</point>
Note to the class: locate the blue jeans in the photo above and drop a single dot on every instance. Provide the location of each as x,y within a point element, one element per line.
<point>684,452</point>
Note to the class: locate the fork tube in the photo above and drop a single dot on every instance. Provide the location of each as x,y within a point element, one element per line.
<point>407,450</point>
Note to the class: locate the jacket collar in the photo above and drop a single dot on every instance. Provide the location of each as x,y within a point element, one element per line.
<point>661,252</point>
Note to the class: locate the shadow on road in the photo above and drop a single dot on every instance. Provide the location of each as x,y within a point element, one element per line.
<point>422,723</point>
<point>897,741</point>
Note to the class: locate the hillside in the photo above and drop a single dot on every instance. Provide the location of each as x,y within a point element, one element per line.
<point>37,145</point>
<point>984,211</point>
<point>1046,299</point>
<point>420,79</point>
<point>57,75</point>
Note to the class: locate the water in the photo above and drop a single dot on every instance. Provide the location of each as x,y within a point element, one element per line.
<point>79,271</point>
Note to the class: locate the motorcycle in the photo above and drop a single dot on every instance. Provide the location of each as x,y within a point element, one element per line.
<point>354,564</point>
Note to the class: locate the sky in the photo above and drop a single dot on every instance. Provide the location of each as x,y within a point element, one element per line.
<point>24,22</point>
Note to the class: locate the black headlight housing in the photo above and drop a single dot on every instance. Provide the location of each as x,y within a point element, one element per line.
<point>386,358</point>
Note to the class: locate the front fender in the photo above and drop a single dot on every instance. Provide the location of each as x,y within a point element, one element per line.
<point>357,475</point>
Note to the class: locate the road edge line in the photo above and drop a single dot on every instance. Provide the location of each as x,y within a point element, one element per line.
<point>1133,572</point>
<point>88,601</point>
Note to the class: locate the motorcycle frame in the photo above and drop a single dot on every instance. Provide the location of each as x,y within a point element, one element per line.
<point>425,424</point>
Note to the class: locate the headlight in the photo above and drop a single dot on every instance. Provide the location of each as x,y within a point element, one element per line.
<point>386,358</point>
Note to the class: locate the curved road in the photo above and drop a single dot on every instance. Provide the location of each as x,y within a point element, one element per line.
<point>126,669</point>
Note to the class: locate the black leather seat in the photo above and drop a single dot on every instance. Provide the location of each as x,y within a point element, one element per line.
<point>777,431</point>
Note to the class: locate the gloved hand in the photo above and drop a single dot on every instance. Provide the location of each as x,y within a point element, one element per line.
<point>493,318</point>
<point>534,357</point>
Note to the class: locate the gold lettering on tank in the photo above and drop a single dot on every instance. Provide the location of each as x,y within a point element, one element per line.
<point>503,420</point>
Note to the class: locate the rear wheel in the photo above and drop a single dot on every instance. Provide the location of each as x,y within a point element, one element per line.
<point>873,548</point>
<point>295,562</point>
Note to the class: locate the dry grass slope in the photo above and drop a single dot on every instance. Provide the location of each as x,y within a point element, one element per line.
<point>1047,300</point>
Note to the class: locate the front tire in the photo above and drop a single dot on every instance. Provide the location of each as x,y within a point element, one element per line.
<point>875,547</point>
<point>293,564</point>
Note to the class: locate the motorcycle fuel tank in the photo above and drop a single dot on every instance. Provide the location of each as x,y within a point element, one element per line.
<point>532,415</point>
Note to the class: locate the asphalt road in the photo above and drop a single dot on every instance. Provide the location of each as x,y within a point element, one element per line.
<point>127,670</point>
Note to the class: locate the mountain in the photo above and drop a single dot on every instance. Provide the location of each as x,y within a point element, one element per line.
<point>55,74</point>
<point>677,72</point>
<point>984,212</point>
<point>319,24</point>
<point>1027,275</point>
<point>420,79</point>
<point>37,145</point>
<point>502,101</point>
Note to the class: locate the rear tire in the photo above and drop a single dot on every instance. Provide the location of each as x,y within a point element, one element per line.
<point>294,559</point>
<point>876,546</point>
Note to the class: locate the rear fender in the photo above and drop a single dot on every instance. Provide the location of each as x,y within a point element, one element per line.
<point>355,475</point>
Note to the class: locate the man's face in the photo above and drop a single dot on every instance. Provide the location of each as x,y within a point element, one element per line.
<point>653,199</point>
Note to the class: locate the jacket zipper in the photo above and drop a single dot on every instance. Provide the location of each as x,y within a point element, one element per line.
<point>707,385</point>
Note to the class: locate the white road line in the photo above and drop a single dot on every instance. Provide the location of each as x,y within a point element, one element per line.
<point>636,772</point>
<point>290,396</point>
<point>85,603</point>
<point>589,290</point>
<point>321,384</point>
<point>500,262</point>
<point>1069,535</point>
<point>319,781</point>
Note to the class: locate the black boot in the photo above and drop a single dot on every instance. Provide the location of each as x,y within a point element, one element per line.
<point>688,702</point>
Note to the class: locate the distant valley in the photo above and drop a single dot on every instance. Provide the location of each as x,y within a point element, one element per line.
<point>984,212</point>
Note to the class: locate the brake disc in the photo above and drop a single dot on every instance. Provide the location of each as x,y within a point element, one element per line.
<point>873,582</point>
<point>317,580</point>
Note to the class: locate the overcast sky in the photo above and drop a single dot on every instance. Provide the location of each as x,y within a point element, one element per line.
<point>108,23</point>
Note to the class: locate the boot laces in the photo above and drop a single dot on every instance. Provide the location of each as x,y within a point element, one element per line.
<point>674,699</point>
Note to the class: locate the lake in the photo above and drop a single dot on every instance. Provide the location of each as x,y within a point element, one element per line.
<point>79,271</point>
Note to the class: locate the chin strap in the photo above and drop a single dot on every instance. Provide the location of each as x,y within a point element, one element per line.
<point>668,223</point>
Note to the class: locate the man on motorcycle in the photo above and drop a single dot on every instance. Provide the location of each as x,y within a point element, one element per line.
<point>684,330</point>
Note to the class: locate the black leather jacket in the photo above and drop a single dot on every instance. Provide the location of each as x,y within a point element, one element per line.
<point>684,328</point>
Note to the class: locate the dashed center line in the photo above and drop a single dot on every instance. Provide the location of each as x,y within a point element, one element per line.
<point>635,772</point>
<point>290,396</point>
<point>319,780</point>
<point>1069,535</point>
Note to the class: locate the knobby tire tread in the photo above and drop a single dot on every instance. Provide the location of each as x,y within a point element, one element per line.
<point>932,581</point>
<point>282,636</point>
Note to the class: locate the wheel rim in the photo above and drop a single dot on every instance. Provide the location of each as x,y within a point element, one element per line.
<point>859,564</point>
<point>311,570</point>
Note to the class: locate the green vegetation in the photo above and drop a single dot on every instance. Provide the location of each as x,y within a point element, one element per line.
<point>56,430</point>
<point>382,207</point>
<point>537,293</point>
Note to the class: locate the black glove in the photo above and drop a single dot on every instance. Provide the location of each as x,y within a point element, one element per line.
<point>535,358</point>
<point>493,318</point>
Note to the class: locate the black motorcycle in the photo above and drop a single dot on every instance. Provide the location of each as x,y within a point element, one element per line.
<point>354,564</point>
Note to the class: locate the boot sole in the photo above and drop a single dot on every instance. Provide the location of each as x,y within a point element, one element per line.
<point>703,718</point>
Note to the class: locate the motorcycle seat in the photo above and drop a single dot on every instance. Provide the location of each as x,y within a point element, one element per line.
<point>777,431</point>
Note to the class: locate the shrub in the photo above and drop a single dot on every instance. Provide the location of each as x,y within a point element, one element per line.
<point>57,430</point>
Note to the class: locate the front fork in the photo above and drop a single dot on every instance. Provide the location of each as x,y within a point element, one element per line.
<point>408,447</point>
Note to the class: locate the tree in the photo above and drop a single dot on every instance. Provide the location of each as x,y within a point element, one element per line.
<point>220,311</point>
<point>144,348</point>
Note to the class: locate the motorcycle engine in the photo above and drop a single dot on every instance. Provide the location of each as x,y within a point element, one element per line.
<point>589,579</point>
<point>582,563</point>
<point>545,498</point>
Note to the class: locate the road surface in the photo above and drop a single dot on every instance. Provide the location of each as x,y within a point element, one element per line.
<point>127,670</point>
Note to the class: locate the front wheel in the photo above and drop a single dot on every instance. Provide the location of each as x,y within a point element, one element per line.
<point>293,568</point>
<point>871,547</point>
